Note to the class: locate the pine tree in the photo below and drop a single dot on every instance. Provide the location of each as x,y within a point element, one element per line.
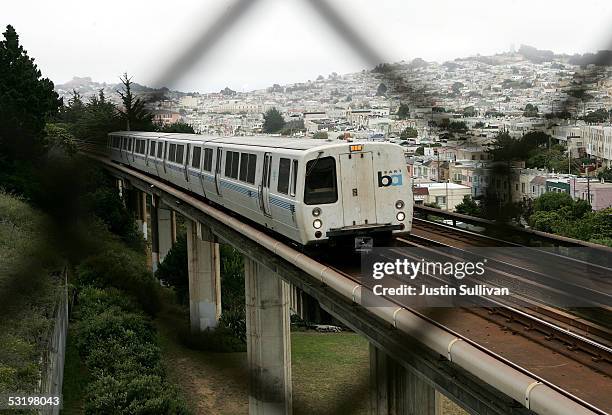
<point>134,112</point>
<point>273,121</point>
<point>26,100</point>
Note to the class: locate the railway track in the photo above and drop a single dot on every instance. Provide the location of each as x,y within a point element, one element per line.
<point>580,346</point>
<point>537,348</point>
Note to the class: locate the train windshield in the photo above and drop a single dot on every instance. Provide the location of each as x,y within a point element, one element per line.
<point>321,184</point>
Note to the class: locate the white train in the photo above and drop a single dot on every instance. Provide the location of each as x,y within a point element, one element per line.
<point>311,191</point>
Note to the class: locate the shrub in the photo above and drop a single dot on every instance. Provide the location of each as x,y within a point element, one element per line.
<point>220,339</point>
<point>148,394</point>
<point>123,269</point>
<point>118,346</point>
<point>234,320</point>
<point>173,269</point>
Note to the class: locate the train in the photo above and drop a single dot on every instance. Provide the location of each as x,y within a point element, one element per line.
<point>312,191</point>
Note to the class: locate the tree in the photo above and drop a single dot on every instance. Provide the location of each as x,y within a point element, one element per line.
<point>99,118</point>
<point>456,88</point>
<point>420,151</point>
<point>552,202</point>
<point>74,111</point>
<point>320,135</point>
<point>178,127</point>
<point>468,207</point>
<point>134,112</point>
<point>409,132</point>
<point>173,269</point>
<point>605,174</point>
<point>273,121</point>
<point>381,90</point>
<point>26,101</point>
<point>469,111</point>
<point>530,111</point>
<point>457,127</point>
<point>479,124</point>
<point>598,116</point>
<point>403,111</point>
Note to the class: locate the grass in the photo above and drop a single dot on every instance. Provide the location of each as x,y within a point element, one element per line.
<point>76,379</point>
<point>210,383</point>
<point>27,294</point>
<point>330,373</point>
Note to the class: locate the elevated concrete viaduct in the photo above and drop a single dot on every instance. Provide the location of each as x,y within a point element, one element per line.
<point>411,361</point>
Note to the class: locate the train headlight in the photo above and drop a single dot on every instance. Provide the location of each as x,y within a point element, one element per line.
<point>400,216</point>
<point>317,224</point>
<point>399,204</point>
<point>316,212</point>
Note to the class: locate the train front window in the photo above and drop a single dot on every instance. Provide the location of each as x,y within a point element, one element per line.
<point>321,184</point>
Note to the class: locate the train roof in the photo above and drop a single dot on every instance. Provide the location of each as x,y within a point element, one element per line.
<point>257,140</point>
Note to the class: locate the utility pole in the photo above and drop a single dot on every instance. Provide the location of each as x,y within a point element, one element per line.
<point>446,204</point>
<point>569,157</point>
<point>588,182</point>
<point>438,167</point>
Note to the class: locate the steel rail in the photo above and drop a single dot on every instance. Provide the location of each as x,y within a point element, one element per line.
<point>513,309</point>
<point>515,382</point>
<point>480,347</point>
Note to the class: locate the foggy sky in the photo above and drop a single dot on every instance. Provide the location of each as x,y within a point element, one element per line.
<point>283,41</point>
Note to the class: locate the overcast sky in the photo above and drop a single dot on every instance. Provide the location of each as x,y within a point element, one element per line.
<point>283,41</point>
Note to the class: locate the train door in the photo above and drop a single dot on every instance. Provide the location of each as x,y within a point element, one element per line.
<point>218,170</point>
<point>358,196</point>
<point>264,187</point>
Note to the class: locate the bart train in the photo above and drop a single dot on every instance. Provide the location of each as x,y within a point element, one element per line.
<point>311,191</point>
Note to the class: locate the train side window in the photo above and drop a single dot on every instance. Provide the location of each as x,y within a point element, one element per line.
<point>160,150</point>
<point>251,168</point>
<point>244,164</point>
<point>195,159</point>
<point>152,148</point>
<point>208,155</point>
<point>172,152</point>
<point>294,177</point>
<point>235,162</point>
<point>180,154</point>
<point>228,163</point>
<point>321,184</point>
<point>284,167</point>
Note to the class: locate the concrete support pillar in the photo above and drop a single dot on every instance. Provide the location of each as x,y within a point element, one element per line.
<point>166,230</point>
<point>268,340</point>
<point>140,211</point>
<point>396,390</point>
<point>173,225</point>
<point>120,189</point>
<point>204,268</point>
<point>154,232</point>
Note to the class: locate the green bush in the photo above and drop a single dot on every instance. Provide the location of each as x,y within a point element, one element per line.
<point>147,394</point>
<point>173,269</point>
<point>124,269</point>
<point>118,345</point>
<point>234,320</point>
<point>220,339</point>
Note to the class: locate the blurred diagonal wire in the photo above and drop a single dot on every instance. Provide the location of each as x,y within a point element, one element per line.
<point>348,403</point>
<point>205,42</point>
<point>358,43</point>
